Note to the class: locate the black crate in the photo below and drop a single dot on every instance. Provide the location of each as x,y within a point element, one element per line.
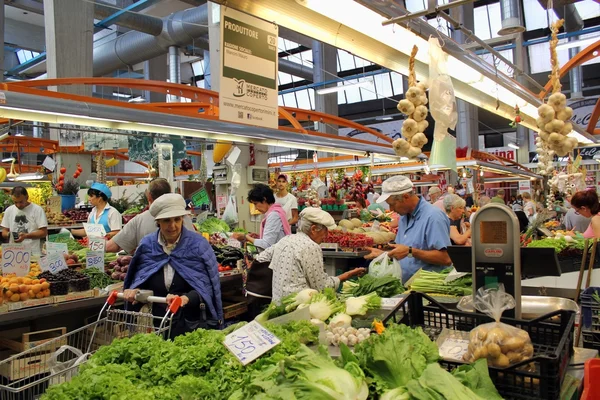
<point>537,378</point>
<point>590,319</point>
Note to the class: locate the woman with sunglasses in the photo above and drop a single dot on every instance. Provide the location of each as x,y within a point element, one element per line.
<point>586,204</point>
<point>102,213</point>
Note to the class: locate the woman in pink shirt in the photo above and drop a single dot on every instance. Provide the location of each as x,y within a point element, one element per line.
<point>586,204</point>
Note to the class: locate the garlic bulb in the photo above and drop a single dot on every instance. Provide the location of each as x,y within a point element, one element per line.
<point>557,101</point>
<point>565,114</point>
<point>420,113</point>
<point>546,113</point>
<point>406,107</point>
<point>419,140</point>
<point>409,127</point>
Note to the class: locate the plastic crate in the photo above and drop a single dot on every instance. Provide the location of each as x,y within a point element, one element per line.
<point>591,387</point>
<point>590,319</point>
<point>537,378</point>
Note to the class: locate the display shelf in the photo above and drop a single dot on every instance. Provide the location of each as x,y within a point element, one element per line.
<point>344,254</point>
<point>59,227</point>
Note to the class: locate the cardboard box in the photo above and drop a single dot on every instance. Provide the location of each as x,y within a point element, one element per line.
<point>74,296</point>
<point>24,366</point>
<point>30,303</point>
<point>18,340</point>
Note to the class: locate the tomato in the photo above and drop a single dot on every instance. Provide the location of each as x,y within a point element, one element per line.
<point>63,170</point>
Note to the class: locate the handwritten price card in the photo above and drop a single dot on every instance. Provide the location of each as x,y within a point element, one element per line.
<point>94,230</point>
<point>53,262</point>
<point>52,247</point>
<point>250,342</point>
<point>95,259</point>
<point>15,259</point>
<point>97,244</point>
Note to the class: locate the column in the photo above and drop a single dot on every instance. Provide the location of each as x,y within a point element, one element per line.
<point>214,43</point>
<point>467,128</point>
<point>2,67</point>
<point>69,41</point>
<point>524,135</point>
<point>156,69</point>
<point>325,69</point>
<point>208,77</point>
<point>174,70</point>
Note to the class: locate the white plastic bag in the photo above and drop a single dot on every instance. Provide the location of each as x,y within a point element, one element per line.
<point>442,103</point>
<point>65,369</point>
<point>503,345</point>
<point>385,265</point>
<point>230,215</point>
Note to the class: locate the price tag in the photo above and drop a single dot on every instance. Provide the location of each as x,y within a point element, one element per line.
<point>53,262</point>
<point>15,259</point>
<point>454,349</point>
<point>56,248</point>
<point>95,259</point>
<point>200,198</point>
<point>250,342</point>
<point>390,303</point>
<point>54,204</point>
<point>97,244</point>
<point>94,230</point>
<point>234,243</point>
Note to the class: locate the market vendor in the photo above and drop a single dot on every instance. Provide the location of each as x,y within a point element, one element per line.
<point>422,230</point>
<point>297,260</point>
<point>455,208</point>
<point>143,224</point>
<point>288,201</point>
<point>274,225</point>
<point>24,222</point>
<point>586,204</point>
<point>102,213</point>
<point>177,262</point>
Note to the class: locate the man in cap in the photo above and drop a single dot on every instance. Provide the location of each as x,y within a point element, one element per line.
<point>143,224</point>
<point>434,194</point>
<point>423,229</point>
<point>297,260</point>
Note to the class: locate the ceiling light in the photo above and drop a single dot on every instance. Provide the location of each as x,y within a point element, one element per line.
<point>122,95</point>
<point>342,87</point>
<point>595,53</point>
<point>481,172</point>
<point>513,146</point>
<point>383,118</point>
<point>577,43</point>
<point>29,177</point>
<point>137,100</point>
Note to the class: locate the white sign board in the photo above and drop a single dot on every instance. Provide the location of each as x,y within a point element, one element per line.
<point>15,259</point>
<point>97,244</point>
<point>524,186</point>
<point>454,349</point>
<point>234,243</point>
<point>94,230</point>
<point>249,56</point>
<point>53,262</point>
<point>95,259</point>
<point>250,342</point>
<point>52,247</point>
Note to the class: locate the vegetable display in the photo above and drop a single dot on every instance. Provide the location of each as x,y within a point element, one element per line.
<point>386,286</point>
<point>98,279</point>
<point>435,283</point>
<point>213,225</point>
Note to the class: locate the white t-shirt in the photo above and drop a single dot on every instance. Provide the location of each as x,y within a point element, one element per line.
<point>27,220</point>
<point>288,202</point>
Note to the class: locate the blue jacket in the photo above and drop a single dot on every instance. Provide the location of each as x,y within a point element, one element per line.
<point>193,259</point>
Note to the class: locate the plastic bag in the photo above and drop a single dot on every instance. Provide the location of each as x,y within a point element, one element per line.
<point>503,345</point>
<point>230,215</point>
<point>385,265</point>
<point>65,369</point>
<point>442,103</point>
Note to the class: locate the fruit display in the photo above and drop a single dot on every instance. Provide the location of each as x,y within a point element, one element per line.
<point>118,268</point>
<point>34,270</point>
<point>77,215</point>
<point>23,288</point>
<point>349,240</point>
<point>58,219</point>
<point>66,281</point>
<point>186,165</point>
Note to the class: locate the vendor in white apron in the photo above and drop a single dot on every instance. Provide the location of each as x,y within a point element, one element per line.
<point>102,213</point>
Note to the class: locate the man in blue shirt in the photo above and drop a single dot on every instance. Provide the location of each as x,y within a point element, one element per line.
<point>423,230</point>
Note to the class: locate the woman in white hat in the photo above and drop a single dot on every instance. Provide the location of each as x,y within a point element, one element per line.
<point>177,262</point>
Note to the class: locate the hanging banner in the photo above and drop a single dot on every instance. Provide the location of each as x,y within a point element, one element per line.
<point>249,57</point>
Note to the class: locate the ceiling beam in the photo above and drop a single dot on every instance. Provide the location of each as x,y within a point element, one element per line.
<point>27,5</point>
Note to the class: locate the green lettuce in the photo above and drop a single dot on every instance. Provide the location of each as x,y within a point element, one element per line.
<point>438,384</point>
<point>476,376</point>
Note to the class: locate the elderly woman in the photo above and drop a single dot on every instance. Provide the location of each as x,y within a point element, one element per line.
<point>274,225</point>
<point>455,208</point>
<point>177,262</point>
<point>297,260</point>
<point>102,213</point>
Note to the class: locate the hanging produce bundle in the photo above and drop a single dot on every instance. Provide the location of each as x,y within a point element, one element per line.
<point>100,168</point>
<point>553,117</point>
<point>185,165</point>
<point>414,106</point>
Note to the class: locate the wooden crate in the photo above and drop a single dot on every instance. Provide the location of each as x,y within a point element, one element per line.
<point>28,340</point>
<point>74,296</point>
<point>231,310</point>
<point>25,366</point>
<point>30,303</point>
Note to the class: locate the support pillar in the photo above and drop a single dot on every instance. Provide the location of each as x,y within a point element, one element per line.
<point>325,69</point>
<point>2,68</point>
<point>156,69</point>
<point>69,41</point>
<point>214,44</point>
<point>174,70</point>
<point>467,127</point>
<point>524,135</point>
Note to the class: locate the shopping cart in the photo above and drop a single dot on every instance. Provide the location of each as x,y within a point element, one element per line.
<point>27,375</point>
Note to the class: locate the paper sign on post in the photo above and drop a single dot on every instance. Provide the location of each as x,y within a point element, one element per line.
<point>94,230</point>
<point>15,259</point>
<point>53,262</point>
<point>250,342</point>
<point>234,243</point>
<point>54,204</point>
<point>52,247</point>
<point>95,259</point>
<point>97,244</point>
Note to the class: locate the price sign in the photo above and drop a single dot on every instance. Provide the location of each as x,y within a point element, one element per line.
<point>454,349</point>
<point>97,244</point>
<point>221,202</point>
<point>250,342</point>
<point>95,259</point>
<point>15,259</point>
<point>54,204</point>
<point>234,243</point>
<point>94,230</point>
<point>53,262</point>
<point>200,198</point>
<point>56,248</point>
<point>390,303</point>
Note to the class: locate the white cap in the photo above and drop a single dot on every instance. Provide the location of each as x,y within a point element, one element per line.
<point>395,185</point>
<point>318,216</point>
<point>435,190</point>
<point>168,205</point>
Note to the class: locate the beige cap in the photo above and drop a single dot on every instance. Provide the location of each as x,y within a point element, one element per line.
<point>317,216</point>
<point>435,190</point>
<point>395,185</point>
<point>168,206</point>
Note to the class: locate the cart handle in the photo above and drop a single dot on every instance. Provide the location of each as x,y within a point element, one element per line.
<point>142,298</point>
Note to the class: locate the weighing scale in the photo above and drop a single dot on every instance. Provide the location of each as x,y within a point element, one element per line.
<point>493,258</point>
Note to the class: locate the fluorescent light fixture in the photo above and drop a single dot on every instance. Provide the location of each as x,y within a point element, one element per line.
<point>9,159</point>
<point>384,118</point>
<point>29,177</point>
<point>583,43</point>
<point>137,100</point>
<point>513,146</point>
<point>4,136</point>
<point>122,95</point>
<point>342,87</point>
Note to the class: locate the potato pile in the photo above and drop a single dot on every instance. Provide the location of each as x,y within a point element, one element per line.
<point>503,345</point>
